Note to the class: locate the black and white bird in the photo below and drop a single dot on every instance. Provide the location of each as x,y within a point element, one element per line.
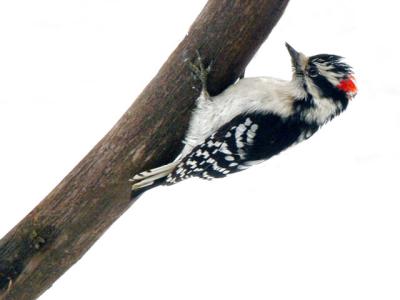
<point>255,119</point>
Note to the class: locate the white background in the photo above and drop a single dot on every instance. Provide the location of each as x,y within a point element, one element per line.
<point>320,221</point>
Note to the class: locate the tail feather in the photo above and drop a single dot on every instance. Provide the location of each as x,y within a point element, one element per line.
<point>137,192</point>
<point>151,178</point>
<point>143,175</point>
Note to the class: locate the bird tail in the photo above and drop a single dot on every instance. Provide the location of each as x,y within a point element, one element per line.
<point>147,180</point>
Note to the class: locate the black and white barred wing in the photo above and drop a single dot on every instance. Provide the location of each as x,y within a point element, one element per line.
<point>229,150</point>
<point>244,141</point>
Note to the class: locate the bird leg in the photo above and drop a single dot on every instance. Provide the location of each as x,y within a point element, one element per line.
<point>200,71</point>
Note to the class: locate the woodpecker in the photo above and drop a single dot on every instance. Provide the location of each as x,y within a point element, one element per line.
<point>255,119</point>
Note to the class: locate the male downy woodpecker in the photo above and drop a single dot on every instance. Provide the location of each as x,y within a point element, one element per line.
<point>255,119</point>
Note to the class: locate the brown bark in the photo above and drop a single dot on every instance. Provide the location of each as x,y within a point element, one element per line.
<point>96,192</point>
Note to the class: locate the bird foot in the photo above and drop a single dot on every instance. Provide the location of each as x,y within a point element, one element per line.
<point>200,71</point>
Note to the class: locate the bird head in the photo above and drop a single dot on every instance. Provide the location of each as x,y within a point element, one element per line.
<point>324,78</point>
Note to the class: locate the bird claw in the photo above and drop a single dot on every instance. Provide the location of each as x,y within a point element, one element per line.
<point>199,71</point>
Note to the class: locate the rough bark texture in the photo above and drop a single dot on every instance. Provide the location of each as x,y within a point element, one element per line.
<point>96,192</point>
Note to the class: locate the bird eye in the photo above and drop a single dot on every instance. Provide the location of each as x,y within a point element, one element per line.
<point>312,71</point>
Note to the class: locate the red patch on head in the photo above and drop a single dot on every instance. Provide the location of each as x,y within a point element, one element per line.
<point>347,85</point>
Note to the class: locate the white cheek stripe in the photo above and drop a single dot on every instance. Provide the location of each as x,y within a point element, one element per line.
<point>332,77</point>
<point>324,108</point>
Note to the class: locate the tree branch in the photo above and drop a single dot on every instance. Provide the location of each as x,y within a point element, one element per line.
<point>51,238</point>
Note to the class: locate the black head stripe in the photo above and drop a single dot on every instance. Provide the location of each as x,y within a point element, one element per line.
<point>330,91</point>
<point>335,64</point>
<point>335,61</point>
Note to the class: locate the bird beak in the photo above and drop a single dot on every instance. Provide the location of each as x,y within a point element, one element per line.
<point>299,60</point>
<point>293,53</point>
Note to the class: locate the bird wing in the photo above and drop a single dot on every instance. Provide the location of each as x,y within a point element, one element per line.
<point>244,141</point>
